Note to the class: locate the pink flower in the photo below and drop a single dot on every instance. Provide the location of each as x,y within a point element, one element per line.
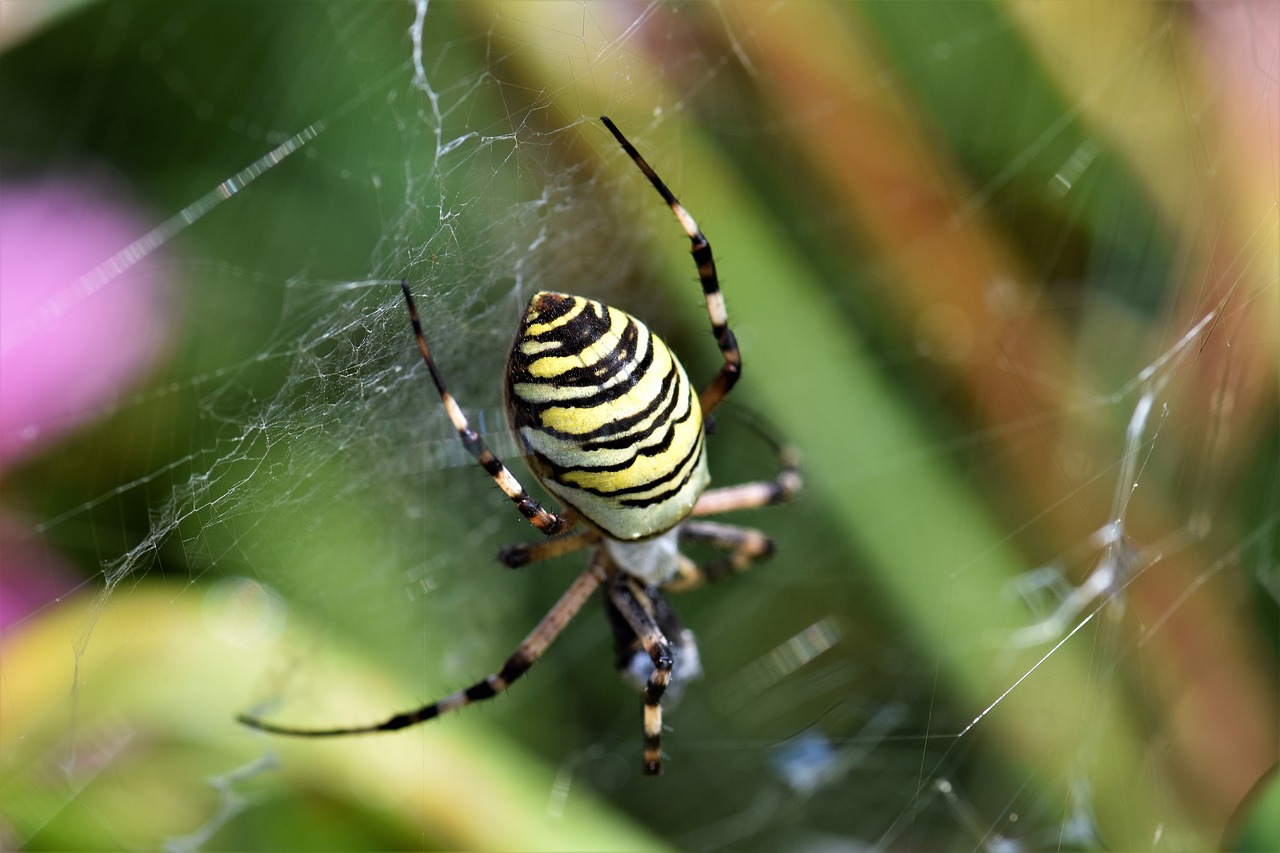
<point>72,341</point>
<point>68,347</point>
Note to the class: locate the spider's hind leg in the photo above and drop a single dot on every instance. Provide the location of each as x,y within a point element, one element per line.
<point>706,263</point>
<point>546,521</point>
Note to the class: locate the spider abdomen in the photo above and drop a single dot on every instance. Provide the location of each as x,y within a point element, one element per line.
<point>606,417</point>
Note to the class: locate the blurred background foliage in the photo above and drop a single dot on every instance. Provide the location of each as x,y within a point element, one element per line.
<point>960,241</point>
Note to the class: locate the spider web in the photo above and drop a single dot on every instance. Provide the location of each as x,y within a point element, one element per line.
<point>1014,300</point>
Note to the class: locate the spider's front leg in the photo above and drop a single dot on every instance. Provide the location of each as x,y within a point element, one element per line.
<point>633,662</point>
<point>635,607</point>
<point>525,656</point>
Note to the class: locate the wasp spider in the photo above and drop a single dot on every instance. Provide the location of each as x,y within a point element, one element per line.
<point>609,424</point>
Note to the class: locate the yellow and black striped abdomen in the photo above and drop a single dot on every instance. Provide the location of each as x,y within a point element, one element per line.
<point>605,416</point>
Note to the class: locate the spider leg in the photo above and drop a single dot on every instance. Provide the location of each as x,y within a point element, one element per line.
<point>745,546</point>
<point>525,656</point>
<point>633,662</point>
<point>524,553</point>
<point>548,522</point>
<point>780,489</point>
<point>637,610</point>
<point>701,249</point>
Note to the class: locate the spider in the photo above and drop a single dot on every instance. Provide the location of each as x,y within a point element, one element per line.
<point>609,424</point>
